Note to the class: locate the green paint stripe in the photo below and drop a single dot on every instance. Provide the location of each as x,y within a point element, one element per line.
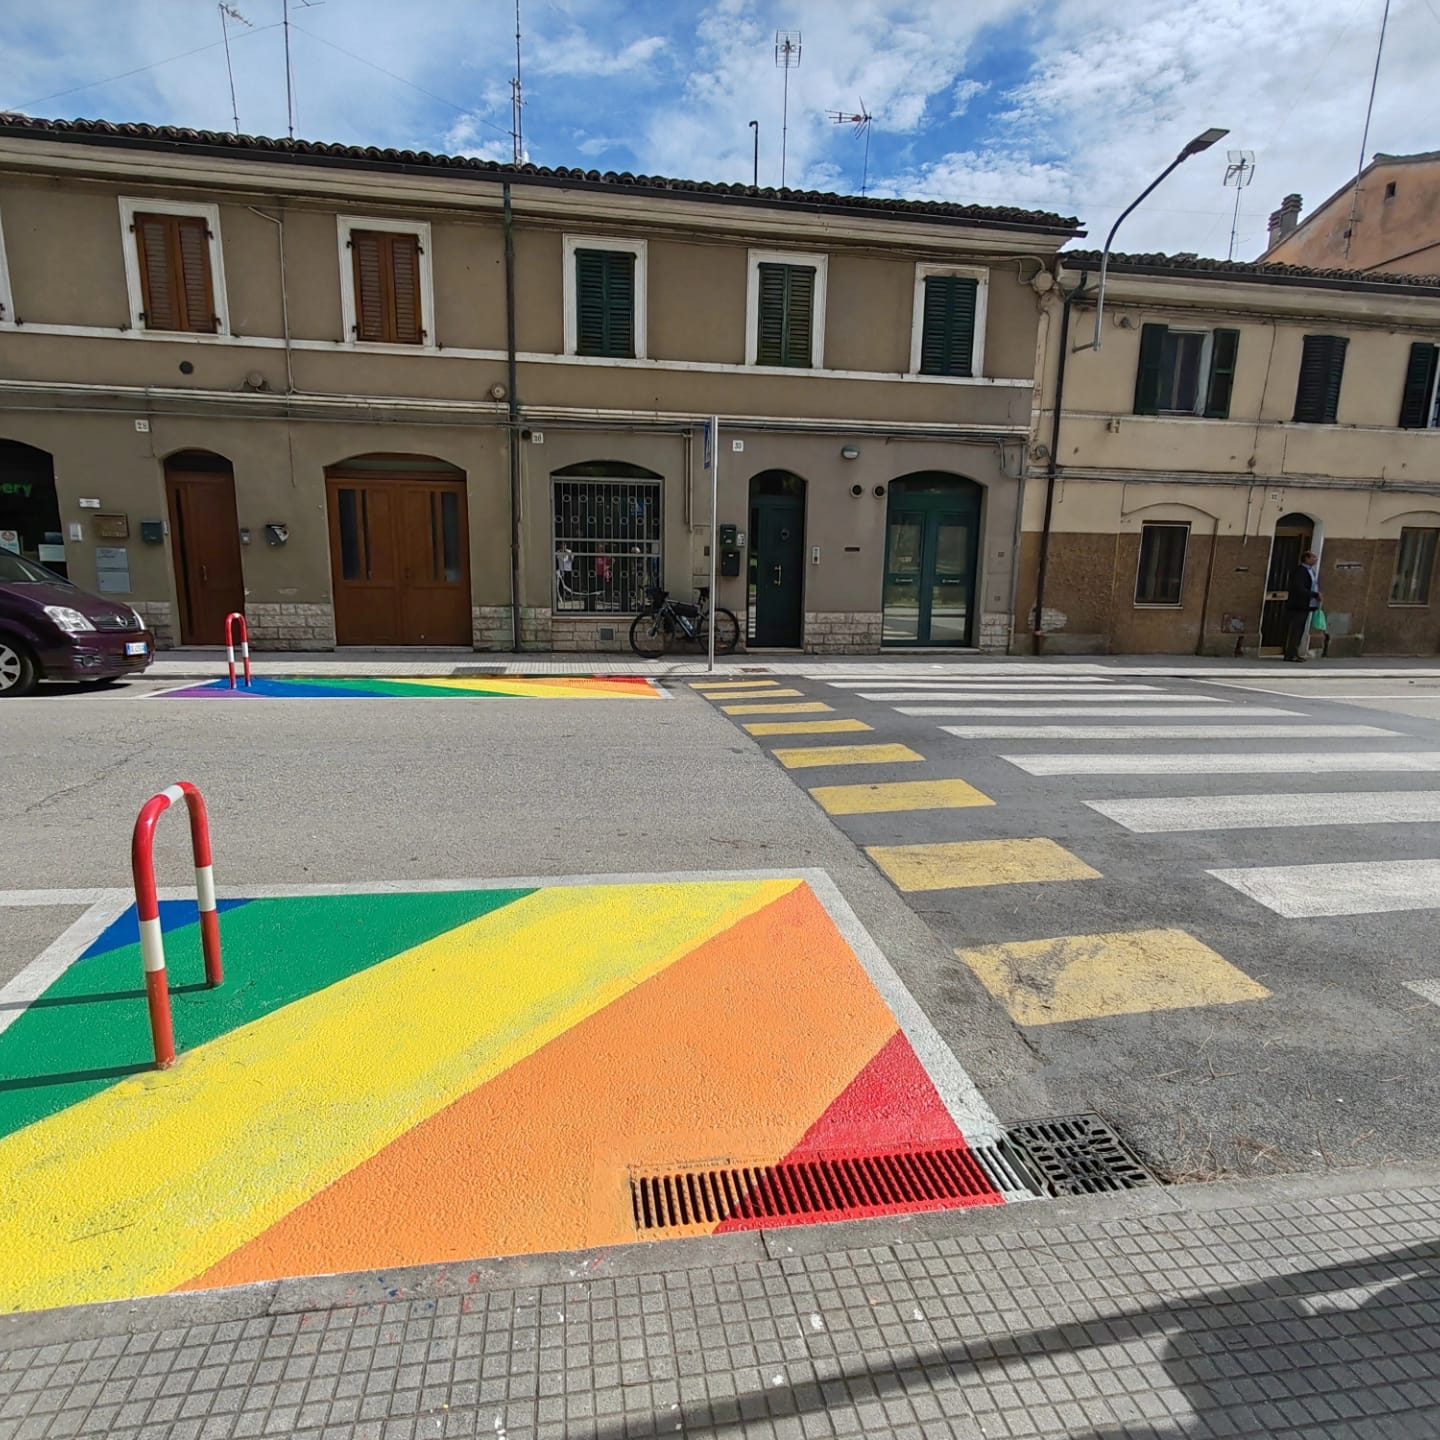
<point>91,1028</point>
<point>402,689</point>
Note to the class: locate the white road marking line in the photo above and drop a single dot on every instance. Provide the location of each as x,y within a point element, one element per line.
<point>1023,710</point>
<point>1051,693</point>
<point>42,972</point>
<point>964,682</point>
<point>1425,989</point>
<point>1271,811</point>
<point>1165,732</point>
<point>1372,887</point>
<point>1218,763</point>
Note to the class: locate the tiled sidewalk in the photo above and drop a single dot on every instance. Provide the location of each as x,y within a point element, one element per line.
<point>1303,1308</point>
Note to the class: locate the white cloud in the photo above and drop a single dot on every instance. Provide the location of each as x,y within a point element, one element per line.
<point>577,54</point>
<point>599,144</point>
<point>964,93</point>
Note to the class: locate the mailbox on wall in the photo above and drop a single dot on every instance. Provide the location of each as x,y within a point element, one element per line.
<point>729,550</point>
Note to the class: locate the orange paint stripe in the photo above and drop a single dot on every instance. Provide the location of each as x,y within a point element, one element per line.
<point>734,1051</point>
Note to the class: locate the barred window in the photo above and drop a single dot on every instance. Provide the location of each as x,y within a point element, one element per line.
<point>608,537</point>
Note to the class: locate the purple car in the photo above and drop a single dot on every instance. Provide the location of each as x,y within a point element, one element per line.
<point>53,630</point>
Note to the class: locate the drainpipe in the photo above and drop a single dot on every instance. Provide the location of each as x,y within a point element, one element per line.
<point>514,426</point>
<point>1037,633</point>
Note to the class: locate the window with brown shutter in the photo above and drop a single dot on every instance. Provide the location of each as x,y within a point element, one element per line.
<point>387,287</point>
<point>175,282</point>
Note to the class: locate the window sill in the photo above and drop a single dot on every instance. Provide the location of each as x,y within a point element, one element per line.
<point>1157,605</point>
<point>1407,604</point>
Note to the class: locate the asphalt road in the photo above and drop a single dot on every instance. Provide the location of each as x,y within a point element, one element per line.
<point>1202,1072</point>
<point>1176,1043</point>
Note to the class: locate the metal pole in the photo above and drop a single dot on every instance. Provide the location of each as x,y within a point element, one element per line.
<point>289,78</point>
<point>714,532</point>
<point>513,428</point>
<point>755,181</point>
<point>1235,219</point>
<point>1365,136</point>
<point>784,124</point>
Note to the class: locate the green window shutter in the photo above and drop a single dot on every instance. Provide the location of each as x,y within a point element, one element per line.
<point>786,318</point>
<point>605,303</point>
<point>1322,367</point>
<point>1147,377</point>
<point>947,336</point>
<point>1223,349</point>
<point>1419,386</point>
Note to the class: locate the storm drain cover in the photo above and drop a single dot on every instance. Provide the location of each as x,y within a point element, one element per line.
<point>849,1185</point>
<point>1079,1155</point>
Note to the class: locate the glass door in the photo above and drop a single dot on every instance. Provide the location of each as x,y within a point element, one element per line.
<point>904,556</point>
<point>951,550</point>
<point>931,549</point>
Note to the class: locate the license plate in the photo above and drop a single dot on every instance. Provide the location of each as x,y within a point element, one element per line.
<point>136,647</point>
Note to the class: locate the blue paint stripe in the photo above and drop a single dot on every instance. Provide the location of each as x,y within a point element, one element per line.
<point>174,915</point>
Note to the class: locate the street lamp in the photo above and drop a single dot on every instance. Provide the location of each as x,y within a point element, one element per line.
<point>1203,141</point>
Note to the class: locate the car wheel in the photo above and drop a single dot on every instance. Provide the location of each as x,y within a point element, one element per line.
<point>18,674</point>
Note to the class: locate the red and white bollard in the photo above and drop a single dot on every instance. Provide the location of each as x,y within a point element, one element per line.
<point>147,905</point>
<point>244,645</point>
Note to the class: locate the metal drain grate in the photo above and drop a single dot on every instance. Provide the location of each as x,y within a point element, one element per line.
<point>1079,1155</point>
<point>849,1185</point>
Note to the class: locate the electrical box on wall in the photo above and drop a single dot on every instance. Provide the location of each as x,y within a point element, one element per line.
<point>152,532</point>
<point>729,550</point>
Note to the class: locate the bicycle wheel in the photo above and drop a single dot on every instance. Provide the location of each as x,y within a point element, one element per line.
<point>650,635</point>
<point>727,632</point>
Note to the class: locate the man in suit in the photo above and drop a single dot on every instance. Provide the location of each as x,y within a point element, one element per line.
<point>1301,603</point>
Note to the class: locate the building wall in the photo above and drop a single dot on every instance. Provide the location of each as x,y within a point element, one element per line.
<point>1400,233</point>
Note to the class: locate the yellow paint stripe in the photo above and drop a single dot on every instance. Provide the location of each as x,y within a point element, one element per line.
<point>810,756</point>
<point>734,684</point>
<point>751,695</point>
<point>562,687</point>
<point>793,707</point>
<point>1085,977</point>
<point>884,799</point>
<point>807,727</point>
<point>147,1184</point>
<point>969,863</point>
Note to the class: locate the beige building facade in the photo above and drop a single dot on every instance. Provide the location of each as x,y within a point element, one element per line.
<point>1232,417</point>
<point>373,398</point>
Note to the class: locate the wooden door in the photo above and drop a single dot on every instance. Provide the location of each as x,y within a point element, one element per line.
<point>205,543</point>
<point>400,561</point>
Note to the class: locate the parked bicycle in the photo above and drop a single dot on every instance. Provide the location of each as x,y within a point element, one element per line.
<point>664,621</point>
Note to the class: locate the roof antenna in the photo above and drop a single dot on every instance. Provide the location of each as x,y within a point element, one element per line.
<point>234,14</point>
<point>862,123</point>
<point>787,58</point>
<point>517,98</point>
<point>1239,172</point>
<point>289,73</point>
<point>1365,137</point>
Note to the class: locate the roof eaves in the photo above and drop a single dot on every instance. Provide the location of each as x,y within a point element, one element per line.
<point>1194,267</point>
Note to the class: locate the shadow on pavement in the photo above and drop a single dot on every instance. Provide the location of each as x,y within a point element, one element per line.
<point>1301,1354</point>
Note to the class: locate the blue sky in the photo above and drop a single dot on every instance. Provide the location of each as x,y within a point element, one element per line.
<point>1069,105</point>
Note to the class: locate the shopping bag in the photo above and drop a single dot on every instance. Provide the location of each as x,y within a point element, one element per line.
<point>1317,621</point>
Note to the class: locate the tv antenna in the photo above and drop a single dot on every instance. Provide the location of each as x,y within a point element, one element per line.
<point>232,13</point>
<point>1239,172</point>
<point>289,73</point>
<point>787,58</point>
<point>861,123</point>
<point>517,98</point>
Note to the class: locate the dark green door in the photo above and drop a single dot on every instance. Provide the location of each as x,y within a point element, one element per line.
<point>931,549</point>
<point>777,570</point>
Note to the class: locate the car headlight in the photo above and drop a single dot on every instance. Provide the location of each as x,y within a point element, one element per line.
<point>70,621</point>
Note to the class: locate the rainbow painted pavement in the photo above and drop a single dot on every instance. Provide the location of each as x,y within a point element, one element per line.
<point>342,687</point>
<point>403,1077</point>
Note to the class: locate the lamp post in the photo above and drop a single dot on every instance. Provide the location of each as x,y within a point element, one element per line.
<point>1203,141</point>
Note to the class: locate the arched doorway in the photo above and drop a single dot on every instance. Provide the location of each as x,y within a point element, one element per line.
<point>29,511</point>
<point>775,609</point>
<point>399,551</point>
<point>1294,535</point>
<point>204,543</point>
<point>932,546</point>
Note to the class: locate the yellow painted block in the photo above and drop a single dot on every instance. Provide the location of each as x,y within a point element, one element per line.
<point>1085,977</point>
<point>969,863</point>
<point>813,755</point>
<point>793,707</point>
<point>147,1184</point>
<point>736,684</point>
<point>884,799</point>
<point>733,694</point>
<point>807,727</point>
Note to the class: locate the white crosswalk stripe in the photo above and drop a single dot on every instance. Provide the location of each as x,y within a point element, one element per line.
<point>1050,692</point>
<point>1305,892</point>
<point>1264,812</point>
<point>965,682</point>
<point>1023,710</point>
<point>1294,762</point>
<point>1157,733</point>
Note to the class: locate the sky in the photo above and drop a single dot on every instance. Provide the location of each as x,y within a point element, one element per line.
<point>1066,105</point>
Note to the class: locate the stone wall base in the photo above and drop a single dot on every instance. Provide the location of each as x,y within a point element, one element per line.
<point>490,627</point>
<point>590,632</point>
<point>156,615</point>
<point>290,627</point>
<point>994,634</point>
<point>842,632</point>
